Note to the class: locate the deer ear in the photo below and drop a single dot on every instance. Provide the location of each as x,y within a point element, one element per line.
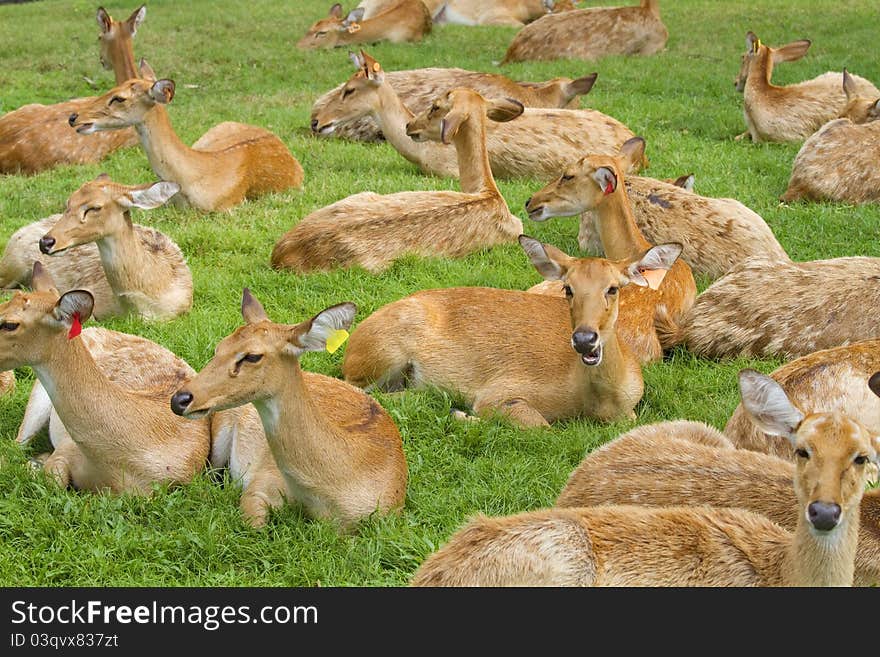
<point>356,15</point>
<point>251,309</point>
<point>791,52</point>
<point>632,151</point>
<point>550,262</point>
<point>751,40</point>
<point>314,334</point>
<point>104,20</point>
<point>450,124</point>
<point>152,197</point>
<point>357,59</point>
<point>137,17</point>
<point>849,85</point>
<point>336,10</point>
<point>581,86</point>
<point>372,68</point>
<point>606,179</point>
<point>162,91</point>
<point>502,110</point>
<point>651,268</point>
<point>685,182</point>
<point>767,404</point>
<point>72,309</point>
<point>146,71</point>
<point>41,279</point>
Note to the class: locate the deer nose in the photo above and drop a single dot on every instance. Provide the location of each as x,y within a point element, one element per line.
<point>584,340</point>
<point>72,119</point>
<point>46,244</point>
<point>181,401</point>
<point>823,516</point>
<point>314,125</point>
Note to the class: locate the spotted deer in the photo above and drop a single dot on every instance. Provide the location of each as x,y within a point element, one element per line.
<point>514,13</point>
<point>339,453</point>
<point>531,358</point>
<point>690,464</point>
<point>93,245</point>
<point>372,230</point>
<point>538,143</point>
<point>228,164</point>
<point>398,22</point>
<point>626,545</point>
<point>36,137</point>
<point>591,33</point>
<point>791,112</point>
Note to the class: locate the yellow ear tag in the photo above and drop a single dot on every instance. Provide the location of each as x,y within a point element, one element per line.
<point>654,277</point>
<point>354,27</point>
<point>756,45</point>
<point>336,340</point>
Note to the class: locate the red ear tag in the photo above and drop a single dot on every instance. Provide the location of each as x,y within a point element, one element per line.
<point>609,188</point>
<point>75,328</point>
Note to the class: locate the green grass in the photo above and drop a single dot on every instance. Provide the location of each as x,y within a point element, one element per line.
<point>242,58</point>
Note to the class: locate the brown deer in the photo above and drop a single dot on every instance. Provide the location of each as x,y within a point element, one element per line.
<point>532,358</point>
<point>538,144</point>
<point>338,451</point>
<point>793,112</point>
<point>36,137</point>
<point>515,13</point>
<point>690,464</point>
<point>228,164</point>
<point>591,33</point>
<point>398,22</point>
<point>687,546</point>
<point>372,230</point>
<point>859,108</point>
<point>127,268</point>
<point>114,429</point>
<point>596,183</point>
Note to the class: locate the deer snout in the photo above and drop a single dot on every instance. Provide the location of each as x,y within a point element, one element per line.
<point>180,401</point>
<point>46,244</point>
<point>823,516</point>
<point>584,340</point>
<point>71,120</point>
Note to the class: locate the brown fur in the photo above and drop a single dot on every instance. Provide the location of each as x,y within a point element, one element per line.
<point>7,382</point>
<point>591,33</point>
<point>36,137</point>
<point>372,230</point>
<point>514,13</point>
<point>398,22</point>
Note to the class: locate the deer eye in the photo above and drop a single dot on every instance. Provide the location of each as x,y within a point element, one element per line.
<point>92,209</point>
<point>565,178</point>
<point>568,292</point>
<point>612,290</point>
<point>860,460</point>
<point>116,99</point>
<point>320,34</point>
<point>8,326</point>
<point>347,92</point>
<point>252,358</point>
<point>802,453</point>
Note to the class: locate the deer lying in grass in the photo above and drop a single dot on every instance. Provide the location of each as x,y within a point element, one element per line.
<point>690,464</point>
<point>788,309</point>
<point>687,546</point>
<point>228,164</point>
<point>114,429</point>
<point>515,13</point>
<point>793,112</point>
<point>36,137</point>
<point>417,88</point>
<point>398,22</point>
<point>532,358</point>
<point>538,144</point>
<point>372,230</point>
<point>591,33</point>
<point>716,233</point>
<point>828,380</point>
<point>129,269</point>
<point>596,183</point>
<point>859,108</point>
<point>339,452</point>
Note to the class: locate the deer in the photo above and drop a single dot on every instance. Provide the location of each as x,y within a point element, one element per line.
<point>128,269</point>
<point>793,112</point>
<point>398,22</point>
<point>339,452</point>
<point>788,309</point>
<point>859,108</point>
<point>514,13</point>
<point>596,183</point>
<point>539,143</point>
<point>528,358</point>
<point>684,463</point>
<point>371,230</point>
<point>92,410</point>
<point>629,545</point>
<point>36,137</point>
<point>590,34</point>
<point>228,164</point>
<point>417,89</point>
<point>716,233</point>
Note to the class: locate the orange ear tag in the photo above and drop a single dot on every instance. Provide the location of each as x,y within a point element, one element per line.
<point>75,328</point>
<point>654,277</point>
<point>354,27</point>
<point>609,188</point>
<point>336,340</point>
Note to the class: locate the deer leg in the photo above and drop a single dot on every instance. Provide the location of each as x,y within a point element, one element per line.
<point>265,491</point>
<point>517,411</point>
<point>59,465</point>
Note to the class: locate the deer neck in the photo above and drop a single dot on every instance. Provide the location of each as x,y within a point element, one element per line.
<point>814,560</point>
<point>121,53</point>
<point>128,265</point>
<point>473,157</point>
<point>169,157</point>
<point>760,71</point>
<point>392,115</point>
<point>621,237</point>
<point>653,6</point>
<point>372,29</point>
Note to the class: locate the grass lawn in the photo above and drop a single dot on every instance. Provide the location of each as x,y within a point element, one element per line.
<point>237,61</point>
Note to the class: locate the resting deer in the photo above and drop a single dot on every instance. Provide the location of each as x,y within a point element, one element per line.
<point>793,112</point>
<point>112,428</point>
<point>538,144</point>
<point>591,33</point>
<point>228,164</point>
<point>36,137</point>
<point>761,308</point>
<point>532,358</point>
<point>372,230</point>
<point>690,464</point>
<point>828,380</point>
<point>127,268</point>
<point>596,183</point>
<point>515,13</point>
<point>339,452</point>
<point>687,546</point>
<point>399,22</point>
<point>859,108</point>
<point>417,89</point>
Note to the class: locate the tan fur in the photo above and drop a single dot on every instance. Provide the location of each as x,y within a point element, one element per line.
<point>131,268</point>
<point>514,13</point>
<point>690,464</point>
<point>793,112</point>
<point>7,382</point>
<point>398,22</point>
<point>539,143</point>
<point>36,137</point>
<point>228,164</point>
<point>339,453</point>
<point>591,33</point>
<point>576,191</point>
<point>372,230</point>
